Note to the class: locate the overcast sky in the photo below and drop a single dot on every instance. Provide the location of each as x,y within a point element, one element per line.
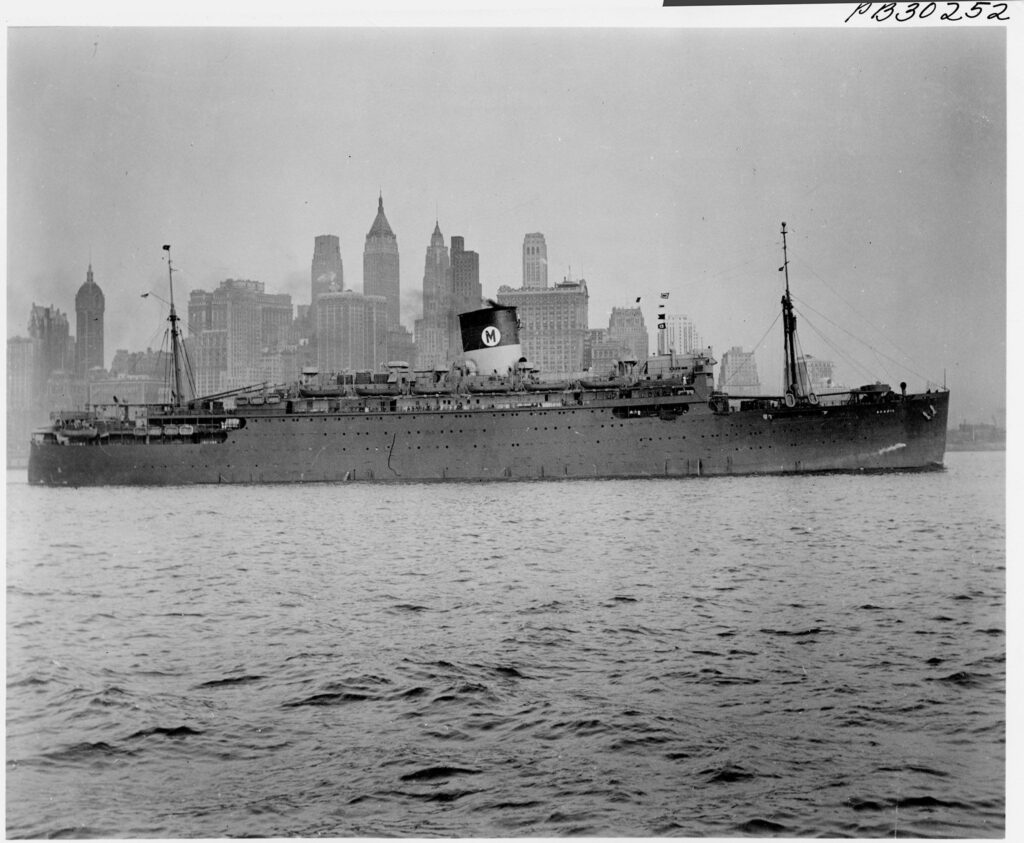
<point>653,160</point>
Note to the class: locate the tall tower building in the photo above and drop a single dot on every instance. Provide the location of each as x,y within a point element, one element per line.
<point>467,294</point>
<point>277,315</point>
<point>351,332</point>
<point>466,287</point>
<point>49,326</point>
<point>679,334</point>
<point>738,374</point>
<point>89,306</point>
<point>327,274</point>
<point>380,264</point>
<point>553,325</point>
<point>626,326</point>
<point>21,363</point>
<point>432,330</point>
<point>230,328</point>
<point>24,409</point>
<point>818,373</point>
<point>535,261</point>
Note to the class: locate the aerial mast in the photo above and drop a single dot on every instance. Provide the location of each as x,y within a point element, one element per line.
<point>175,336</point>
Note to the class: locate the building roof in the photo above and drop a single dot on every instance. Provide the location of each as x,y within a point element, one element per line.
<point>380,227</point>
<point>437,238</point>
<point>89,295</point>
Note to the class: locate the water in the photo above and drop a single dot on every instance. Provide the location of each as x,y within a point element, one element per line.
<point>793,656</point>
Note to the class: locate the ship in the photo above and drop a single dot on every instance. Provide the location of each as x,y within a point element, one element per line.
<point>493,416</point>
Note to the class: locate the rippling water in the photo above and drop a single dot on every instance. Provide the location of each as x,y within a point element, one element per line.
<point>795,656</point>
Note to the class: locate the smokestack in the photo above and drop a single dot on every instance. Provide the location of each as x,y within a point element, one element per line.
<point>490,339</point>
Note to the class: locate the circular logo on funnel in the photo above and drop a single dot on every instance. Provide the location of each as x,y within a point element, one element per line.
<point>491,336</point>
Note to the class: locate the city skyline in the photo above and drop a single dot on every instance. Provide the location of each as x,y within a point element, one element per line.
<point>670,170</point>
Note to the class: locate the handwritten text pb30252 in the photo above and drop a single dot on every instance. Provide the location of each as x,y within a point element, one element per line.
<point>980,10</point>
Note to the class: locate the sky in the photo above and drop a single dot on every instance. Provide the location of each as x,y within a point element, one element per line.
<point>653,158</point>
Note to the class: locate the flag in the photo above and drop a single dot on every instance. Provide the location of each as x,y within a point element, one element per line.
<point>144,295</point>
<point>661,326</point>
<point>664,295</point>
<point>781,268</point>
<point>638,299</point>
<point>167,248</point>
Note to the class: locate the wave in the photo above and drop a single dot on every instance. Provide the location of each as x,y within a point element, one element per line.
<point>963,678</point>
<point>88,752</point>
<point>338,698</point>
<point>437,772</point>
<point>231,681</point>
<point>795,633</point>
<point>762,827</point>
<point>729,774</point>
<point>165,731</point>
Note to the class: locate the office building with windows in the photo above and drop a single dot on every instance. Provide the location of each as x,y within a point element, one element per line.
<point>553,325</point>
<point>535,261</point>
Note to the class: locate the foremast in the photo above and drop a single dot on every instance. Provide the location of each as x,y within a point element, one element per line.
<point>176,350</point>
<point>793,389</point>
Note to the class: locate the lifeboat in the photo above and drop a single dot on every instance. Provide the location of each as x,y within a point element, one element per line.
<point>377,389</point>
<point>79,434</point>
<point>490,383</point>
<point>547,386</point>
<point>607,382</point>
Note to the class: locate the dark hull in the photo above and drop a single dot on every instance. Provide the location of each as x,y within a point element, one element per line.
<point>634,437</point>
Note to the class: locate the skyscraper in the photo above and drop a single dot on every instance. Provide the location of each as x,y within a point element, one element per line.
<point>466,291</point>
<point>535,261</point>
<point>230,328</point>
<point>738,375</point>
<point>380,264</point>
<point>24,409</point>
<point>433,328</point>
<point>818,373</point>
<point>49,326</point>
<point>465,265</point>
<point>54,383</point>
<point>626,326</point>
<point>89,307</point>
<point>625,338</point>
<point>21,362</point>
<point>327,273</point>
<point>276,319</point>
<point>553,324</point>
<point>351,332</point>
<point>679,334</point>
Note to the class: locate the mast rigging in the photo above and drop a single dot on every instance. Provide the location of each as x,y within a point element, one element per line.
<point>175,336</point>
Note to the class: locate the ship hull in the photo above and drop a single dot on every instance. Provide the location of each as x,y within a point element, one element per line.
<point>633,437</point>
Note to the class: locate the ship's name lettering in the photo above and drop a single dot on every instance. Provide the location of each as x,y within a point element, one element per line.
<point>947,11</point>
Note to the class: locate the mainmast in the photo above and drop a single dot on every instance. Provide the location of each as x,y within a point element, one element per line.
<point>797,387</point>
<point>175,337</point>
<point>792,386</point>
